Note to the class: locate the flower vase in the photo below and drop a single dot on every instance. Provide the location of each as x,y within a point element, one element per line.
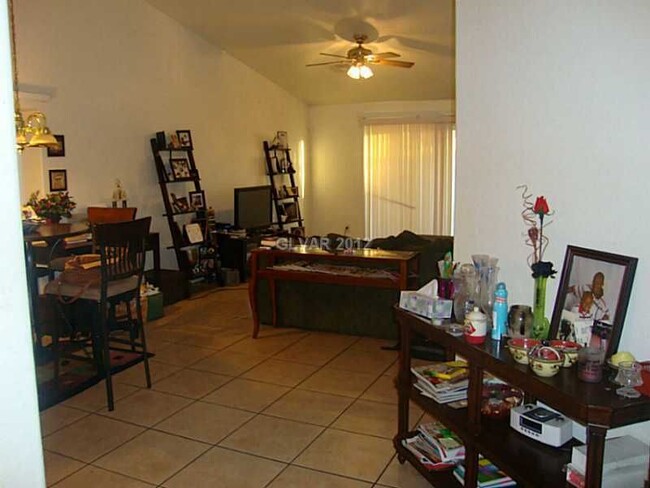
<point>54,219</point>
<point>541,325</point>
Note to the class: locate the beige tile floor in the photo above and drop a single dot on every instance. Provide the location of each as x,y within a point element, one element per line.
<point>290,409</point>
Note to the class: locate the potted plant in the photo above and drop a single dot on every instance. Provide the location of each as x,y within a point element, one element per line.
<point>52,206</point>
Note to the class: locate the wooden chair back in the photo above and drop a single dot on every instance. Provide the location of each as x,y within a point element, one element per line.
<point>122,249</point>
<point>103,215</point>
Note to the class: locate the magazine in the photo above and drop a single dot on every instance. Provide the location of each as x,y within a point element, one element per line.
<point>489,476</point>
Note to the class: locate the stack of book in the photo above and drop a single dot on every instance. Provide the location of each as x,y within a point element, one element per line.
<point>625,463</point>
<point>489,476</point>
<point>435,446</point>
<point>445,382</point>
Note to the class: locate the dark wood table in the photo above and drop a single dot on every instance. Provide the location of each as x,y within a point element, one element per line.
<point>52,235</point>
<point>404,263</point>
<point>530,463</point>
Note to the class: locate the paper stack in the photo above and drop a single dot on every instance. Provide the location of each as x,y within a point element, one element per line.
<point>443,382</point>
<point>436,447</point>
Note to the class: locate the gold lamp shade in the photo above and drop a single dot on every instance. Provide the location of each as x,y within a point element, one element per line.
<point>41,135</point>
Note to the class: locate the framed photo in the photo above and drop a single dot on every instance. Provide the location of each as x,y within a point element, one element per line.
<point>185,139</point>
<point>174,143</point>
<point>180,168</point>
<point>58,180</point>
<point>179,204</point>
<point>197,200</point>
<point>161,140</point>
<point>59,151</point>
<point>592,297</point>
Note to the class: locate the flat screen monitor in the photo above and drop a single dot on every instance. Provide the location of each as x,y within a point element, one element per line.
<point>253,207</point>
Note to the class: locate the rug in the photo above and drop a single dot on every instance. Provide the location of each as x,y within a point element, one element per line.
<point>76,376</point>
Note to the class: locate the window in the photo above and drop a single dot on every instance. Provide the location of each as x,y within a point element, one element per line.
<point>409,178</point>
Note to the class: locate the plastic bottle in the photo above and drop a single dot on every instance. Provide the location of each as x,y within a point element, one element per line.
<point>500,312</point>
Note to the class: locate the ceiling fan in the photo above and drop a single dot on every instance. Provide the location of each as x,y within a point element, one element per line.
<point>359,58</point>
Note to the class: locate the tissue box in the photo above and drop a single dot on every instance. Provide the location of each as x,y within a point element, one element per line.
<point>425,305</point>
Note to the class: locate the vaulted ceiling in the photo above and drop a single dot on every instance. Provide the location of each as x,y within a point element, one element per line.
<point>277,38</point>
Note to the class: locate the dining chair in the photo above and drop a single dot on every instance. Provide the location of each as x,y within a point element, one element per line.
<point>95,215</point>
<point>121,247</point>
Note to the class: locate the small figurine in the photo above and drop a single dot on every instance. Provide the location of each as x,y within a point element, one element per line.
<point>119,194</point>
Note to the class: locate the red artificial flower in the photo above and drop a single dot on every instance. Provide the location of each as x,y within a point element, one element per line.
<point>541,206</point>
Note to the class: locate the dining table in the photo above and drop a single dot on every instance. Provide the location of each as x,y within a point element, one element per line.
<point>52,235</point>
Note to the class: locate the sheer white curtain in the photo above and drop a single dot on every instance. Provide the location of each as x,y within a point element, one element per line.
<point>409,178</point>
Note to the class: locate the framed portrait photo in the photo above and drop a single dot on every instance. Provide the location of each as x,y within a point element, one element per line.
<point>59,150</point>
<point>592,298</point>
<point>180,168</point>
<point>197,200</point>
<point>58,180</point>
<point>185,139</point>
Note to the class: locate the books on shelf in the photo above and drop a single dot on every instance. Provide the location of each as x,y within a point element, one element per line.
<point>443,382</point>
<point>446,445</point>
<point>489,475</point>
<point>422,451</point>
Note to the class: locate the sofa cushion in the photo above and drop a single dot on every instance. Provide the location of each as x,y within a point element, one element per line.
<point>431,248</point>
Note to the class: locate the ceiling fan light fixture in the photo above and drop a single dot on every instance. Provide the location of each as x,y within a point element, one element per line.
<point>360,71</point>
<point>354,72</point>
<point>365,72</point>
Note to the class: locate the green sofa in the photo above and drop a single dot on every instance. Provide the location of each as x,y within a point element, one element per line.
<point>352,310</point>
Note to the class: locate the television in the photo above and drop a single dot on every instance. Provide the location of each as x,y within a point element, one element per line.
<point>253,209</point>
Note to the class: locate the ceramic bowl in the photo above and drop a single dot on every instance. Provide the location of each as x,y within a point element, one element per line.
<point>570,350</point>
<point>520,347</point>
<point>545,361</point>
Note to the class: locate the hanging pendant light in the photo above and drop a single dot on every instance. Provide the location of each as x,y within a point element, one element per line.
<point>34,132</point>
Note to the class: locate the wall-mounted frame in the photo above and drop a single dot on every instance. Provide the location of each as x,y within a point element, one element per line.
<point>185,139</point>
<point>59,151</point>
<point>592,297</point>
<point>58,180</point>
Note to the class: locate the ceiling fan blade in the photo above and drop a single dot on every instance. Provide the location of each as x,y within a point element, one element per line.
<point>391,62</point>
<point>333,55</point>
<point>382,56</point>
<point>329,62</point>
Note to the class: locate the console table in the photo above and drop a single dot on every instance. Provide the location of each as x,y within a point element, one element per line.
<point>528,462</point>
<point>385,269</point>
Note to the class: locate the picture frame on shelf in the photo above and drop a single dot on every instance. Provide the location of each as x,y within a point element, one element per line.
<point>197,200</point>
<point>59,150</point>
<point>180,168</point>
<point>174,142</point>
<point>592,298</point>
<point>58,180</point>
<point>194,233</point>
<point>179,204</point>
<point>185,139</point>
<point>282,139</point>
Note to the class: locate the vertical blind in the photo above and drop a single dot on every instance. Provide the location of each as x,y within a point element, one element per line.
<point>409,178</point>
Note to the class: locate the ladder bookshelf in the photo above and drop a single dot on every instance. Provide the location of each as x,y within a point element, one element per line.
<point>189,226</point>
<point>285,192</point>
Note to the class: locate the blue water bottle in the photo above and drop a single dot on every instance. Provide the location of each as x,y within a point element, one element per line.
<point>499,312</point>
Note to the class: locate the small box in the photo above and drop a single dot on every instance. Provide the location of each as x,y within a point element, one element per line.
<point>230,276</point>
<point>154,306</point>
<point>425,305</point>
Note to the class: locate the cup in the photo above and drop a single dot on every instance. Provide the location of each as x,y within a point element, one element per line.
<point>590,364</point>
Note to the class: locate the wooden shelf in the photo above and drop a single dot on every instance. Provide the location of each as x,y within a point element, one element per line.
<point>439,479</point>
<point>183,180</point>
<point>528,462</point>
<point>279,179</point>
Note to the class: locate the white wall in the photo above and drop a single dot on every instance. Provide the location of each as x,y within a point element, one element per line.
<point>121,71</point>
<point>335,168</point>
<point>555,95</point>
<point>21,457</point>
